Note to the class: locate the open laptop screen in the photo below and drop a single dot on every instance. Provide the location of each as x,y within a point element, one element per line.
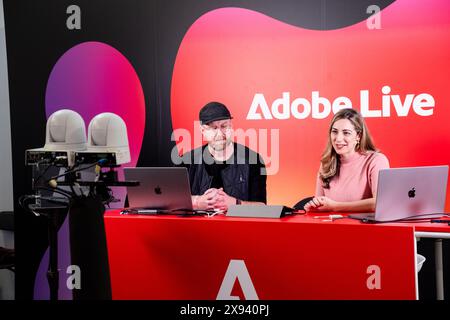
<point>409,193</point>
<point>161,188</point>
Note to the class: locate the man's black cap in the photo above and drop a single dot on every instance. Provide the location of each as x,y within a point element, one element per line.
<point>214,111</point>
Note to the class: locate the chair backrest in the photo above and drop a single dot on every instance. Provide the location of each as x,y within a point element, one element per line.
<point>7,258</point>
<point>301,204</point>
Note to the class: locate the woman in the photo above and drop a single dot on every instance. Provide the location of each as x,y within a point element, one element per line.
<point>348,174</point>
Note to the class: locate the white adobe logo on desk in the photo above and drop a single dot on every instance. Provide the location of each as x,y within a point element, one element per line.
<point>237,271</point>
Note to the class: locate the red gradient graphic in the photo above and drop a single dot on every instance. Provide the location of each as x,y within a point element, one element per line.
<point>231,54</point>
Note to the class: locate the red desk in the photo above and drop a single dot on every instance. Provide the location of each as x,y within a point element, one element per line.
<point>298,257</point>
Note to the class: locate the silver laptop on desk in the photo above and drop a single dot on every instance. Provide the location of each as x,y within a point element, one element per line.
<point>165,189</point>
<point>409,193</point>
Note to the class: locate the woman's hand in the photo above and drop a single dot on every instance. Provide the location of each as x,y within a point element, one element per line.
<point>321,203</point>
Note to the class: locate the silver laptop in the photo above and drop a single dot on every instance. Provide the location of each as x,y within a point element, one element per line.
<point>161,189</point>
<point>409,193</point>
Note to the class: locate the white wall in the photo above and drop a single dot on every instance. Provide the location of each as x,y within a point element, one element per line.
<point>6,193</point>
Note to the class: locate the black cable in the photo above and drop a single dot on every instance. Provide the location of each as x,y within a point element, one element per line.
<point>66,204</point>
<point>51,164</point>
<point>25,197</point>
<point>56,200</point>
<point>73,171</point>
<point>415,218</point>
<point>73,190</point>
<point>41,175</point>
<point>57,190</point>
<point>22,199</point>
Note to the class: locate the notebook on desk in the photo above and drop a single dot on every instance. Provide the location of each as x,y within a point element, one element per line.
<point>160,190</point>
<point>409,193</point>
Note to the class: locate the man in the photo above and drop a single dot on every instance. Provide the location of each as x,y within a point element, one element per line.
<point>223,173</point>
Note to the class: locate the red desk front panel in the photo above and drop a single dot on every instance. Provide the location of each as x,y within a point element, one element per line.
<point>167,257</point>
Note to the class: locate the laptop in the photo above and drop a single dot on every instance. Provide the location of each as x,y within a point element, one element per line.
<point>160,190</point>
<point>409,193</point>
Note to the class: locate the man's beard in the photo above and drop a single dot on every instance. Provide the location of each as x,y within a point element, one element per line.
<point>220,146</point>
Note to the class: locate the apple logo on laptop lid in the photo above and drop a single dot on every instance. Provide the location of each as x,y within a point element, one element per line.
<point>412,193</point>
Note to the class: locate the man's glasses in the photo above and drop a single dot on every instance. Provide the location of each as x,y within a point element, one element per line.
<point>223,129</point>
